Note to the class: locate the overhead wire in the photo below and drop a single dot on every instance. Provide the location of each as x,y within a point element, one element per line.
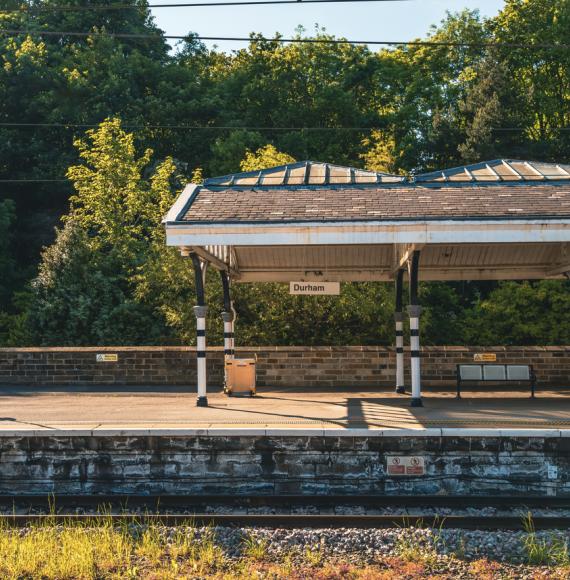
<point>297,40</point>
<point>34,9</point>
<point>24,125</point>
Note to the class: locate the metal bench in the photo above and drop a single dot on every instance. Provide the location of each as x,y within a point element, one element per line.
<point>495,373</point>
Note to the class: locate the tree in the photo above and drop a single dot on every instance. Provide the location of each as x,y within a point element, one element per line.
<point>87,288</point>
<point>526,313</point>
<point>7,262</point>
<point>265,157</point>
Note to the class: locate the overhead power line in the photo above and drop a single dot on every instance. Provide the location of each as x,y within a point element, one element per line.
<point>426,43</point>
<point>9,125</point>
<point>194,127</point>
<point>34,9</point>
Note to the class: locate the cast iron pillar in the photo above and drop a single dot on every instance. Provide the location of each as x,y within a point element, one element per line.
<point>200,312</point>
<point>228,316</point>
<point>399,320</point>
<point>414,311</point>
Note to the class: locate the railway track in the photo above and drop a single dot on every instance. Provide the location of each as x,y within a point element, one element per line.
<point>283,511</point>
<point>290,521</point>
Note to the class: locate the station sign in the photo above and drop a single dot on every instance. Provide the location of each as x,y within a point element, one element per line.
<point>315,288</point>
<point>405,465</point>
<point>485,357</point>
<point>107,357</point>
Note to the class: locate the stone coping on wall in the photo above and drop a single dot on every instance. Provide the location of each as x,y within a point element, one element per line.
<point>40,349</point>
<point>277,432</point>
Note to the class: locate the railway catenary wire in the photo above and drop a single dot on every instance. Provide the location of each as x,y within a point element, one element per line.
<point>205,510</point>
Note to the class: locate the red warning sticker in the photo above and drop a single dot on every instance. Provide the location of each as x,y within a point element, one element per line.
<point>405,465</point>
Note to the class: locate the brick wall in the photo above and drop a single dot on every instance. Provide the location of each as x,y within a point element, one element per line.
<point>278,366</point>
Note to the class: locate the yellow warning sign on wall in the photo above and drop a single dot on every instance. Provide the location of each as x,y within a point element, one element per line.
<point>107,357</point>
<point>485,357</point>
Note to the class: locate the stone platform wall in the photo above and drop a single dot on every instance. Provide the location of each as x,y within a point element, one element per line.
<point>276,366</point>
<point>291,464</point>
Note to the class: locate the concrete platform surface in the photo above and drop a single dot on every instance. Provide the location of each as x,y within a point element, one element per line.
<point>159,410</point>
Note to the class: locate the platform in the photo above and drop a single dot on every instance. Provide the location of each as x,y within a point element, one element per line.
<point>100,410</point>
<point>154,440</point>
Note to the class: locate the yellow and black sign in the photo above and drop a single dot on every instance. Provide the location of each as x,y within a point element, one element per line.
<point>485,357</point>
<point>107,358</point>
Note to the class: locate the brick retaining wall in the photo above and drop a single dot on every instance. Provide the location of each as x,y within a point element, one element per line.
<point>171,465</point>
<point>277,366</point>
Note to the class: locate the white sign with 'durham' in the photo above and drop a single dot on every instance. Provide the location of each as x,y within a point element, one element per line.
<point>319,288</point>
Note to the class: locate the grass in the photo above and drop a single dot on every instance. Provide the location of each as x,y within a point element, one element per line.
<point>255,547</point>
<point>547,550</point>
<point>107,550</point>
<point>315,556</point>
<point>411,549</point>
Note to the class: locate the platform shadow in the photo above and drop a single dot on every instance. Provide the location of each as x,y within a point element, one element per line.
<point>132,390</point>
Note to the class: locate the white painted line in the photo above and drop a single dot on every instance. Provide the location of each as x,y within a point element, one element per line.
<point>356,432</point>
<point>469,432</point>
<point>236,432</point>
<point>546,433</point>
<point>277,432</point>
<point>422,432</point>
<point>301,432</point>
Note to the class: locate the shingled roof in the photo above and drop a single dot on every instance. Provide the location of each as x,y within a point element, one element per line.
<point>318,192</point>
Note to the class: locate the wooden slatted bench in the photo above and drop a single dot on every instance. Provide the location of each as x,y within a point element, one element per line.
<point>495,373</point>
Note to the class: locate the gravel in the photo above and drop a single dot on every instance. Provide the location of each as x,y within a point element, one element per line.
<point>357,545</point>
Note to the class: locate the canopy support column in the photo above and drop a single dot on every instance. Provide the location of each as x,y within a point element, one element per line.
<point>414,310</point>
<point>399,320</point>
<point>200,312</point>
<point>228,317</point>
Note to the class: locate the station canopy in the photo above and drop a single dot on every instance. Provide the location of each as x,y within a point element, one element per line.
<point>311,221</point>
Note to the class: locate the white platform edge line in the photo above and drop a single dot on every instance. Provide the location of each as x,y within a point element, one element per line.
<point>277,432</point>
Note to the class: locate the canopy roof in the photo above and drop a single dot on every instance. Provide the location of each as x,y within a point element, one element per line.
<point>315,221</point>
<point>500,170</point>
<point>303,173</point>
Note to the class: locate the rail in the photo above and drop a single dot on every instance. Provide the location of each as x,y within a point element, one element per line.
<point>203,510</point>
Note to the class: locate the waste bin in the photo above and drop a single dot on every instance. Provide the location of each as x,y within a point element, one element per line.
<point>240,376</point>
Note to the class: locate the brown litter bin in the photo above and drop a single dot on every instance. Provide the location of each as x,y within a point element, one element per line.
<point>240,376</point>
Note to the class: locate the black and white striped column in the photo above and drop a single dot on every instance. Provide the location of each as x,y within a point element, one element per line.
<point>228,318</point>
<point>200,312</point>
<point>399,320</point>
<point>232,331</point>
<point>414,311</point>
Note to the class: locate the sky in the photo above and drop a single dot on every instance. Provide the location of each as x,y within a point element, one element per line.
<point>391,20</point>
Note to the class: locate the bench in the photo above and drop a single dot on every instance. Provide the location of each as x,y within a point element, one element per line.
<point>495,373</point>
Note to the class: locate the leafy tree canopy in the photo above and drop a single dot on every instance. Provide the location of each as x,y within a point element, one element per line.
<point>127,121</point>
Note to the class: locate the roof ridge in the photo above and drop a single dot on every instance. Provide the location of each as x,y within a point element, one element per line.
<point>499,170</point>
<point>316,173</point>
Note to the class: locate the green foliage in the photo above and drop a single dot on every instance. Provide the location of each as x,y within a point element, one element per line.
<point>550,549</point>
<point>268,314</point>
<point>88,290</point>
<point>522,314</point>
<point>7,262</point>
<point>108,278</point>
<point>83,297</point>
<point>263,158</point>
